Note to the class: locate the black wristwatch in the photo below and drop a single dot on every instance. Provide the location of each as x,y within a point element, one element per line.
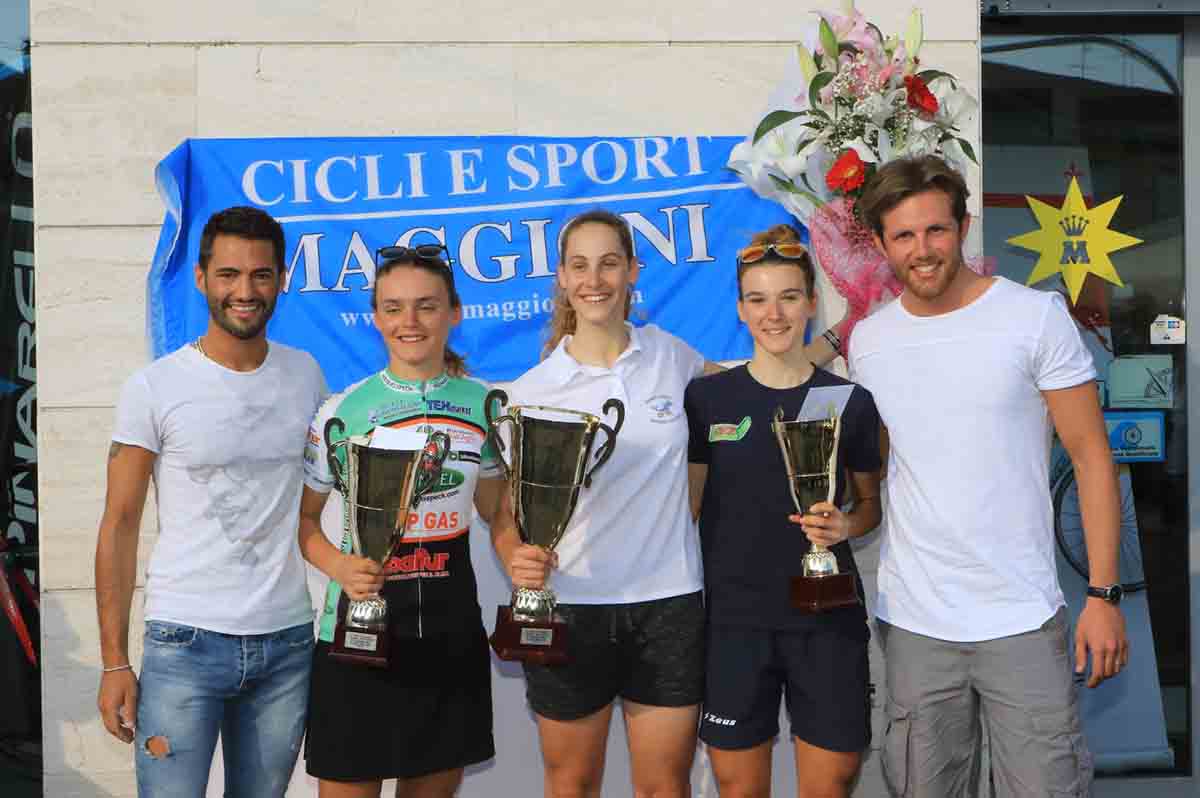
<point>1112,594</point>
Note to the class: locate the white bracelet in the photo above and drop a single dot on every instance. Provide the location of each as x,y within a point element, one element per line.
<point>117,668</point>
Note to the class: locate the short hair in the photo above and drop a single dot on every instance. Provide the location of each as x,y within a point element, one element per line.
<point>242,221</point>
<point>900,179</point>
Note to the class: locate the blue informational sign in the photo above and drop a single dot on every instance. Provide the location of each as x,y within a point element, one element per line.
<point>1136,436</point>
<point>497,203</point>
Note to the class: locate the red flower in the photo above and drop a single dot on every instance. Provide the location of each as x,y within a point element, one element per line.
<point>920,97</point>
<point>848,173</point>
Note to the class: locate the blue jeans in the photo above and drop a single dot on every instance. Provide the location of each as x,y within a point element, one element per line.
<point>196,684</point>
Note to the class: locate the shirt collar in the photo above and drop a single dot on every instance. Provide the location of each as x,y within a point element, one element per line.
<point>565,368</point>
<point>413,386</point>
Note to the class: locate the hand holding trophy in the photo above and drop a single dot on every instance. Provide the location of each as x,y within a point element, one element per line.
<point>809,451</point>
<point>547,467</point>
<point>379,488</point>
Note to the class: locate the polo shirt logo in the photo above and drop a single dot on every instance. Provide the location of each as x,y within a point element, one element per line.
<point>662,408</point>
<point>729,432</point>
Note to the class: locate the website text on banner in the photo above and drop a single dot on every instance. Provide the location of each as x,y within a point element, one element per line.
<point>497,203</point>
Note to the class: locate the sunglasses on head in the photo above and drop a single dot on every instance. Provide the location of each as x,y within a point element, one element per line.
<point>756,252</point>
<point>430,253</point>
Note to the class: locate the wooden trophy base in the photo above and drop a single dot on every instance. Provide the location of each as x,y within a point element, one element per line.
<point>360,648</point>
<point>528,641</point>
<point>821,593</point>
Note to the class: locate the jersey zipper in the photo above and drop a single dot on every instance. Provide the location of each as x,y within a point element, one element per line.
<point>420,578</point>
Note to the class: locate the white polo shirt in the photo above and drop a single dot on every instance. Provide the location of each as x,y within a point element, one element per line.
<point>632,537</point>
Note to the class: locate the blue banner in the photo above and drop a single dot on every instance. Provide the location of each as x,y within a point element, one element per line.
<point>497,203</point>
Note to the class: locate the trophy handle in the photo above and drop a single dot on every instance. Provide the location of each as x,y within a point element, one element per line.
<point>610,444</point>
<point>493,395</point>
<point>493,425</point>
<point>335,425</point>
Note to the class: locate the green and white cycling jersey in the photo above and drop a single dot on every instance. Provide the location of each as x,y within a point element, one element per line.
<point>430,584</point>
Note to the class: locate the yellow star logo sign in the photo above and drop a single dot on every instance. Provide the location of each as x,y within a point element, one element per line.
<point>1074,240</point>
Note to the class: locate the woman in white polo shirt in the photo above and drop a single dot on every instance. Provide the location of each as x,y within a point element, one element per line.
<point>627,572</point>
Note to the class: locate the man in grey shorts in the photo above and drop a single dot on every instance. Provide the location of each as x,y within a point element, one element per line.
<point>968,373</point>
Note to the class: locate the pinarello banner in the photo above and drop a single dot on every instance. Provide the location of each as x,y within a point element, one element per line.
<point>497,203</point>
<point>18,358</point>
<point>20,718</point>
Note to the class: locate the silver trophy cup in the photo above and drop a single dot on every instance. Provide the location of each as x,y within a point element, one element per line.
<point>810,458</point>
<point>380,488</point>
<point>549,450</point>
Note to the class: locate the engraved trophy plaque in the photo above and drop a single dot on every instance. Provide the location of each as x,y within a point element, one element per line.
<point>549,452</point>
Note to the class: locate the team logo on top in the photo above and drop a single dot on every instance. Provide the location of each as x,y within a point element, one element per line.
<point>729,432</point>
<point>663,408</point>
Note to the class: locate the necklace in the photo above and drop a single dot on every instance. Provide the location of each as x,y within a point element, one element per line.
<point>199,348</point>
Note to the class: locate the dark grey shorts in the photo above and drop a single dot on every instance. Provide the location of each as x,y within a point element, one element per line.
<point>1022,689</point>
<point>649,652</point>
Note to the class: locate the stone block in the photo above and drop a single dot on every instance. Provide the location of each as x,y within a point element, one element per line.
<point>104,117</point>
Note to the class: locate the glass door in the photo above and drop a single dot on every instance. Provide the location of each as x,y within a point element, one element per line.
<point>1100,102</point>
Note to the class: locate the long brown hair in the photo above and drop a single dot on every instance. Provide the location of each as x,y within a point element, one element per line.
<point>563,321</point>
<point>456,365</point>
<point>779,234</point>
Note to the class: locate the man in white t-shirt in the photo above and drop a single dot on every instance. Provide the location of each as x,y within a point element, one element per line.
<point>969,373</point>
<point>220,426</point>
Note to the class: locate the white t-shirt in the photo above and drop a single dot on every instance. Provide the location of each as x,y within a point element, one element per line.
<point>632,537</point>
<point>969,552</point>
<point>227,482</point>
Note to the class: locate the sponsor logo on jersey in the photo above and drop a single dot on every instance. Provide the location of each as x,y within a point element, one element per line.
<point>419,560</point>
<point>662,408</point>
<point>446,406</point>
<point>729,432</point>
<point>458,435</point>
<point>448,480</point>
<point>392,410</point>
<point>432,520</point>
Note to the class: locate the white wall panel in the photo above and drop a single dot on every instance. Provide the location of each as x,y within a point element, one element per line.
<point>351,21</point>
<point>104,116</point>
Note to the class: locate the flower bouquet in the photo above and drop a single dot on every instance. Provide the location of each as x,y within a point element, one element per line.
<point>861,100</point>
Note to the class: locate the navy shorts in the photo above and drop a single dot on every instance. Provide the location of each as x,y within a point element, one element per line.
<point>821,672</point>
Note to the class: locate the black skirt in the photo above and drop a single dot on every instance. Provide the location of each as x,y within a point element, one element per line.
<point>429,711</point>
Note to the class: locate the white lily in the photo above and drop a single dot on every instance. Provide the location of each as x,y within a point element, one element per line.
<point>876,107</point>
<point>957,108</point>
<point>954,155</point>
<point>863,149</point>
<point>751,167</point>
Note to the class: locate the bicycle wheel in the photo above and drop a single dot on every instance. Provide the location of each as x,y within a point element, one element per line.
<point>1068,531</point>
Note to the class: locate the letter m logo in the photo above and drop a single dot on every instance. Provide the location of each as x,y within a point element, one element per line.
<point>1074,252</point>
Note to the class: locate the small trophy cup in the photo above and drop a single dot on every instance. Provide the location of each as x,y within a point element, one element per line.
<point>547,468</point>
<point>379,488</point>
<point>810,458</point>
